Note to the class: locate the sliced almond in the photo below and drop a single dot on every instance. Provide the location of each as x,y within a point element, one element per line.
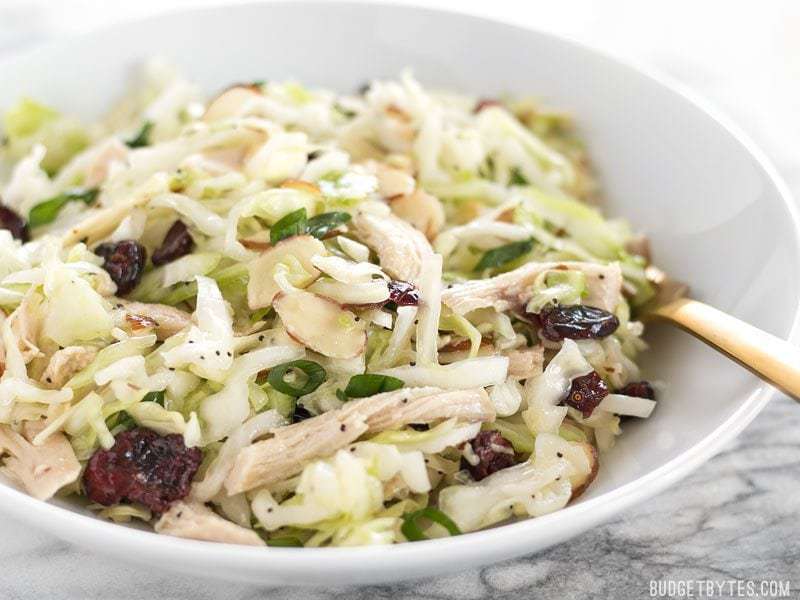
<point>321,324</point>
<point>391,181</point>
<point>261,287</point>
<point>230,102</point>
<point>398,113</point>
<point>581,482</point>
<point>423,211</point>
<point>139,323</point>
<point>138,317</point>
<point>255,243</point>
<point>303,186</point>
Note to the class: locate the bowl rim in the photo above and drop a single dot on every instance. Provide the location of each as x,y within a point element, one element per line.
<point>86,529</point>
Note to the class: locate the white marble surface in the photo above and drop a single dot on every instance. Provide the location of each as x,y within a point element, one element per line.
<point>734,519</point>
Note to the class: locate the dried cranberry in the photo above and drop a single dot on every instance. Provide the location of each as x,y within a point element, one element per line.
<point>403,293</point>
<point>142,466</point>
<point>486,103</point>
<point>176,243</point>
<point>301,413</point>
<point>640,389</point>
<point>124,262</point>
<point>13,223</point>
<point>586,392</point>
<point>576,322</point>
<point>493,451</point>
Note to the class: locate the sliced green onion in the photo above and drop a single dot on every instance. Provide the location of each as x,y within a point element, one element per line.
<point>142,138</point>
<point>504,254</point>
<point>517,178</point>
<point>126,421</point>
<point>369,384</point>
<point>413,531</point>
<point>285,542</point>
<point>157,397</point>
<point>323,224</point>
<point>314,373</point>
<point>295,223</point>
<point>120,421</point>
<point>346,113</point>
<point>46,211</point>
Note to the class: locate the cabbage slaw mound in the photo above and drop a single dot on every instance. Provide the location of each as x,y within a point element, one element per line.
<point>380,317</point>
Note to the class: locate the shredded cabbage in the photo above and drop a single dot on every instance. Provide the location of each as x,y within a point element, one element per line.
<point>74,311</point>
<point>460,375</point>
<point>227,409</point>
<point>430,286</point>
<point>536,487</point>
<point>29,122</point>
<point>544,392</point>
<point>350,232</point>
<point>346,489</point>
<point>448,434</point>
<point>187,268</point>
<point>244,435</point>
<point>557,287</point>
<point>208,347</point>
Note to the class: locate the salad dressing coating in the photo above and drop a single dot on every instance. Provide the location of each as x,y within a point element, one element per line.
<point>311,318</point>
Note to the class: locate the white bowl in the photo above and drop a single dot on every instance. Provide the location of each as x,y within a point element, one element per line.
<point>717,214</point>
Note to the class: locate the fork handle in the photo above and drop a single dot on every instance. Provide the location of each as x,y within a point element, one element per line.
<point>774,360</point>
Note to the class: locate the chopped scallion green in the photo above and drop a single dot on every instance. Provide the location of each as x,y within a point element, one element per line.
<point>314,373</point>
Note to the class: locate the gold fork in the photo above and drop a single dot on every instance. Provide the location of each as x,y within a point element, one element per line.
<point>774,360</point>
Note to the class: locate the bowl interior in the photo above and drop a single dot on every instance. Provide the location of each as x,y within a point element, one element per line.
<point>715,215</point>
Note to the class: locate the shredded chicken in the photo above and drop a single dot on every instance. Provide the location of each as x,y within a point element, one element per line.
<point>513,289</point>
<point>524,363</point>
<point>42,470</point>
<point>393,410</point>
<point>140,317</point>
<point>102,222</point>
<point>65,363</point>
<point>26,324</point>
<point>196,521</point>
<point>292,447</point>
<point>108,153</point>
<point>399,246</point>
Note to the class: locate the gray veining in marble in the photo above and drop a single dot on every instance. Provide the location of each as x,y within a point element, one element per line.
<point>735,518</point>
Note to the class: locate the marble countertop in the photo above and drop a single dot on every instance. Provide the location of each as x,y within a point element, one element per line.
<point>733,519</point>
